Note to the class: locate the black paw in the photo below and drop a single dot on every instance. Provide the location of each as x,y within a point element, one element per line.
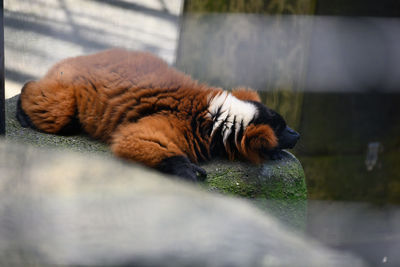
<point>73,127</point>
<point>275,154</point>
<point>182,167</point>
<point>23,119</point>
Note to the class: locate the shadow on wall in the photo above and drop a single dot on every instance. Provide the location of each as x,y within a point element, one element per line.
<point>293,52</point>
<point>40,33</point>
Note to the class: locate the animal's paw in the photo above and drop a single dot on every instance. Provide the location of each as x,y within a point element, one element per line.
<point>23,119</point>
<point>182,167</point>
<point>275,154</point>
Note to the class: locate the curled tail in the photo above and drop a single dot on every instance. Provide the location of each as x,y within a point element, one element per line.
<point>48,107</point>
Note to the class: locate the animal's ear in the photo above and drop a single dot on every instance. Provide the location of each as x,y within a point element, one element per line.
<point>257,140</point>
<point>246,94</point>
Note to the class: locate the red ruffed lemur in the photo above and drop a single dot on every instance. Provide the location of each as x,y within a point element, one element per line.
<point>152,113</point>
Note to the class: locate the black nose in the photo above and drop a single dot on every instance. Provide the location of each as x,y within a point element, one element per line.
<point>291,131</point>
<point>288,138</point>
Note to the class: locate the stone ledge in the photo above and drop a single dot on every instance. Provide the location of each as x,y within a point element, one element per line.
<point>60,208</point>
<point>282,181</point>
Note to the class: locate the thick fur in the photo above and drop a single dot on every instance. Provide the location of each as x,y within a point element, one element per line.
<point>149,112</point>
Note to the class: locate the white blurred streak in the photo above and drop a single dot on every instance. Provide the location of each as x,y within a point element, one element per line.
<point>310,53</point>
<point>354,54</point>
<point>293,52</point>
<point>367,230</point>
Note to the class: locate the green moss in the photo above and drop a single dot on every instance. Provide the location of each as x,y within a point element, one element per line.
<point>276,187</point>
<point>281,190</point>
<point>282,180</point>
<point>287,181</point>
<point>230,181</point>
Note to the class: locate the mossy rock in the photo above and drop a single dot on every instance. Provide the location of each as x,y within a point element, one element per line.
<point>276,186</point>
<point>282,181</point>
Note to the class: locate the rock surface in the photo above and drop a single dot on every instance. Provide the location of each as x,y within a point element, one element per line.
<point>276,186</point>
<point>64,208</point>
<point>15,132</point>
<point>283,179</point>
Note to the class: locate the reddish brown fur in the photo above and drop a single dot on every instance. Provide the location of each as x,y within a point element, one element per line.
<point>112,92</point>
<point>246,94</point>
<point>105,89</point>
<point>50,110</point>
<point>257,138</point>
<point>136,102</point>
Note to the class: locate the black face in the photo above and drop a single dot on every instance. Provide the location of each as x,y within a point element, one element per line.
<point>287,137</point>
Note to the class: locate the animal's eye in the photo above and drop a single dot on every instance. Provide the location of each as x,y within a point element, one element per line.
<point>279,128</point>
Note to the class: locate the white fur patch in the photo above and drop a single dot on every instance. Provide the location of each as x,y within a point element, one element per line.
<point>226,109</point>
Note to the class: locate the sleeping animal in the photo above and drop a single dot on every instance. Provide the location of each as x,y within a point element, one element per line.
<point>152,113</point>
